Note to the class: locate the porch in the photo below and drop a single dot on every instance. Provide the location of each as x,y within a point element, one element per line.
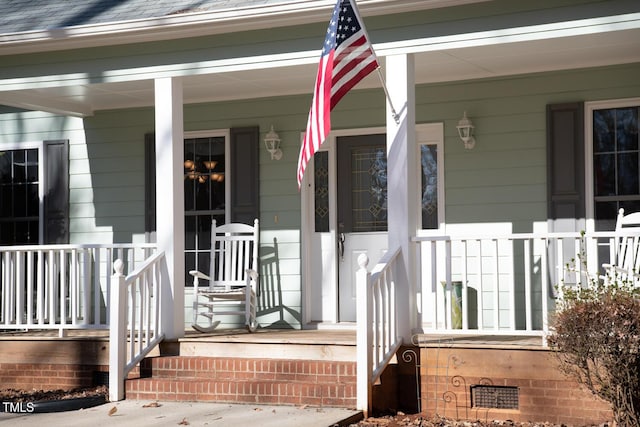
<point>513,277</point>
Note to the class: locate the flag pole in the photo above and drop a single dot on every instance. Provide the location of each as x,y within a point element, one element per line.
<point>386,92</point>
<point>384,85</point>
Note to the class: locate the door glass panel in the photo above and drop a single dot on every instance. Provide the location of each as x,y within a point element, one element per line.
<point>369,189</point>
<point>429,201</point>
<point>362,183</point>
<point>321,191</point>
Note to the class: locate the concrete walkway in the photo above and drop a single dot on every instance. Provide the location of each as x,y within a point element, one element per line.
<point>134,413</point>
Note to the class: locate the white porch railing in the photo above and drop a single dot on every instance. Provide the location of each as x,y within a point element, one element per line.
<point>502,285</point>
<point>61,286</point>
<point>136,326</point>
<point>377,333</point>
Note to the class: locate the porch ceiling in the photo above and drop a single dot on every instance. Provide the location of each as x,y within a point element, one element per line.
<point>433,64</point>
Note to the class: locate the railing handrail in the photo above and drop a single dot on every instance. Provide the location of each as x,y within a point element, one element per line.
<point>377,328</point>
<point>516,236</point>
<point>71,246</point>
<point>132,276</point>
<point>384,262</point>
<point>136,326</point>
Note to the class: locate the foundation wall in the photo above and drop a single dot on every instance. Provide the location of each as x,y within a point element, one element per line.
<point>542,392</point>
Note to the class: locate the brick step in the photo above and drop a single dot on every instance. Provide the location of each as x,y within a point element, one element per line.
<point>245,380</point>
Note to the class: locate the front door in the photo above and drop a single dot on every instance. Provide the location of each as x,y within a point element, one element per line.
<point>362,211</point>
<point>348,201</point>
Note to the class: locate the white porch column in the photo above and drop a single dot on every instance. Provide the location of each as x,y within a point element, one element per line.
<point>402,184</point>
<point>169,198</point>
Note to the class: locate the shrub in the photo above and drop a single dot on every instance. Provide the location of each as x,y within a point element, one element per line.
<point>597,338</point>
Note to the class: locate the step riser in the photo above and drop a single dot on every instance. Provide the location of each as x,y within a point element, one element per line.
<point>259,381</point>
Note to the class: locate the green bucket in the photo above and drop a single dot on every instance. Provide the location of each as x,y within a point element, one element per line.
<point>456,305</point>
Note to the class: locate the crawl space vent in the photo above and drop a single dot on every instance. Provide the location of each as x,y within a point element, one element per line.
<point>495,397</point>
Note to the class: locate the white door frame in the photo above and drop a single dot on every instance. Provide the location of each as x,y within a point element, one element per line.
<point>308,224</point>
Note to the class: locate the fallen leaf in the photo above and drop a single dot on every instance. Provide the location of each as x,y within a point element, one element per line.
<point>152,405</point>
<point>303,407</point>
<point>184,422</point>
<point>257,409</point>
<point>113,411</point>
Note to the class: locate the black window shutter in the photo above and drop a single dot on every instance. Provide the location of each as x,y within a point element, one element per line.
<point>245,174</point>
<point>565,162</point>
<point>56,192</point>
<point>150,182</point>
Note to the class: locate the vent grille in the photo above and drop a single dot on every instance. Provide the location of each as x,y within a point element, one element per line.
<point>495,397</point>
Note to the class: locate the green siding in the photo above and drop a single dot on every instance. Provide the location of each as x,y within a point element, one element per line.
<point>503,179</point>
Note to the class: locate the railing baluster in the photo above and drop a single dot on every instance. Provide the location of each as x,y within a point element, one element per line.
<point>51,288</point>
<point>62,286</point>
<point>109,260</point>
<point>545,284</point>
<point>3,293</point>
<point>496,289</point>
<point>511,282</point>
<point>20,284</point>
<point>29,286</point>
<point>97,291</point>
<point>41,291</point>
<point>481,324</point>
<point>465,284</point>
<point>73,286</point>
<point>527,284</point>
<point>131,321</point>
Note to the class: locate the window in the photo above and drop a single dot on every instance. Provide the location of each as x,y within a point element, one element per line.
<point>205,197</point>
<point>220,179</point>
<point>615,161</point>
<point>20,196</point>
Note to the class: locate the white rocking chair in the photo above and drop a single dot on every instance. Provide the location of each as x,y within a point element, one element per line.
<point>233,277</point>
<point>625,264</point>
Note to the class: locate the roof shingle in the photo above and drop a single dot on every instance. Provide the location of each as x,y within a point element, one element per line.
<point>18,16</point>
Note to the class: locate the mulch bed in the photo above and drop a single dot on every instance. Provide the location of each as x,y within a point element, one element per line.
<point>41,401</point>
<point>417,420</point>
<point>12,395</point>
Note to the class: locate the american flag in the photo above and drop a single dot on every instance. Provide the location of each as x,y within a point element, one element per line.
<point>347,57</point>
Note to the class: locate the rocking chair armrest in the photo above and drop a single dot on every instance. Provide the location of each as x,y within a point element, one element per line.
<point>198,275</point>
<point>252,274</point>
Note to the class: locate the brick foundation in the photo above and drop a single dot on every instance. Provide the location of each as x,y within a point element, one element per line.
<point>447,375</point>
<point>42,376</point>
<point>258,381</point>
